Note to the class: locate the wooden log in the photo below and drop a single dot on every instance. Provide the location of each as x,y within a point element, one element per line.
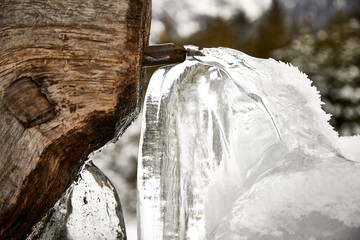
<point>70,75</point>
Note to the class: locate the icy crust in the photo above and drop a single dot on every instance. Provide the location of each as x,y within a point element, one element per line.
<point>90,209</point>
<point>235,147</point>
<point>285,90</point>
<point>316,202</point>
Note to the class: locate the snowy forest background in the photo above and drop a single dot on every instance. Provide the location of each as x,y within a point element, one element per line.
<point>321,38</point>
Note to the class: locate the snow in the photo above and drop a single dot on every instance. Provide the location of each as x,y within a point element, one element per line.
<point>236,147</point>
<point>349,147</point>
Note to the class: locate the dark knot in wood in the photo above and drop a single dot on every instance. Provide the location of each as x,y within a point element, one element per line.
<point>25,101</point>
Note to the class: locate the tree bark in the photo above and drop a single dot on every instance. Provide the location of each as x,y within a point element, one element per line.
<point>70,75</point>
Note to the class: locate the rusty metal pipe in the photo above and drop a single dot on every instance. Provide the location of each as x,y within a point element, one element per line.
<point>163,54</point>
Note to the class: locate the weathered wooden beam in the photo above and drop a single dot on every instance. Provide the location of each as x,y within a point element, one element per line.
<point>70,75</point>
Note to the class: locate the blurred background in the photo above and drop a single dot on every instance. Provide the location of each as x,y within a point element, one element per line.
<point>320,37</point>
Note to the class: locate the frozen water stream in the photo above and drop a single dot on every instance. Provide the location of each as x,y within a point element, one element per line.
<point>235,147</point>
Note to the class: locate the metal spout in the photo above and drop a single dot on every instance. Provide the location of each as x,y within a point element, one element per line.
<point>163,54</point>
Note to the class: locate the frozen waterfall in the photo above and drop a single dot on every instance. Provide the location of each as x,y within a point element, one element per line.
<point>236,147</point>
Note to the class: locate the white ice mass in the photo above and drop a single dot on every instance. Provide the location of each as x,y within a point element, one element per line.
<point>89,210</point>
<point>236,147</point>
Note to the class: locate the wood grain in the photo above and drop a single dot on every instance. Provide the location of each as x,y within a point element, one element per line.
<point>70,74</point>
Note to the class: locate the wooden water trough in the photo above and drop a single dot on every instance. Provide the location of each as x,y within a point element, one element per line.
<point>70,81</point>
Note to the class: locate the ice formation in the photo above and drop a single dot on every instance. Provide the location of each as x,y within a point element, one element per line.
<point>236,147</point>
<point>90,209</point>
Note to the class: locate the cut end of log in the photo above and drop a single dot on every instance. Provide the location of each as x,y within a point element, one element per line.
<point>69,82</point>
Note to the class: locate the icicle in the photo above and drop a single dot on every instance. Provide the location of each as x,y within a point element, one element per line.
<point>235,147</point>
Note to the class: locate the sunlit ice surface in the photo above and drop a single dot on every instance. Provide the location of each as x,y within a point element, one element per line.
<point>236,147</point>
<point>89,209</point>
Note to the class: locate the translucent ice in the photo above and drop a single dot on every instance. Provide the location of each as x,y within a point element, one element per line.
<point>90,209</point>
<point>235,147</point>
